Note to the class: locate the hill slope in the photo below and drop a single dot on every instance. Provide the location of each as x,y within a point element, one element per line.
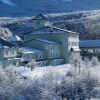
<point>87,23</point>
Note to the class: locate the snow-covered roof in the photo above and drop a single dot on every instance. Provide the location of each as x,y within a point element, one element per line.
<point>13,58</point>
<point>14,38</point>
<point>30,50</point>
<point>47,41</point>
<point>89,43</point>
<point>50,29</point>
<point>75,49</point>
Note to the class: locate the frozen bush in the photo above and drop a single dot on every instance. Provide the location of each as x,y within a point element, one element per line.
<point>32,65</point>
<point>94,62</point>
<point>78,86</point>
<point>76,61</point>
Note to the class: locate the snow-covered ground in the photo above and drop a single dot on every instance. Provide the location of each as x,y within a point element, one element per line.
<point>39,72</point>
<point>52,82</point>
<point>60,70</point>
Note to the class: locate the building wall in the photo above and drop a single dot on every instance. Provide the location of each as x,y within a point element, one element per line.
<point>6,53</point>
<point>18,43</point>
<point>12,62</point>
<point>42,63</point>
<point>52,50</point>
<point>32,56</point>
<point>73,41</point>
<point>10,52</point>
<point>26,57</point>
<point>37,24</point>
<point>61,38</point>
<point>89,52</point>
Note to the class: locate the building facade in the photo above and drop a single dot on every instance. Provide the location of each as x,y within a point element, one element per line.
<point>90,48</point>
<point>46,44</point>
<point>9,54</point>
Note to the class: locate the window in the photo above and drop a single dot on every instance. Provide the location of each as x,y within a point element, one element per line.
<point>6,52</point>
<point>56,55</point>
<point>15,63</point>
<point>74,43</point>
<point>24,55</point>
<point>38,22</point>
<point>27,56</point>
<point>69,43</point>
<point>36,56</point>
<point>39,64</point>
<point>54,62</point>
<point>43,56</point>
<point>52,46</point>
<point>94,50</point>
<point>51,54</point>
<point>40,55</point>
<point>33,56</point>
<point>12,51</point>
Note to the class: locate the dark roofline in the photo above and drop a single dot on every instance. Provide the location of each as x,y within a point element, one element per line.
<point>64,30</point>
<point>40,41</point>
<point>36,17</point>
<point>5,43</point>
<point>46,42</point>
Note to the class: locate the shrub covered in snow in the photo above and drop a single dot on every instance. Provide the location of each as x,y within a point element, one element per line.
<point>78,86</point>
<point>94,62</point>
<point>79,83</point>
<point>31,65</point>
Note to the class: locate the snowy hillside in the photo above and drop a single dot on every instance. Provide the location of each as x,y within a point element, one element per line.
<point>31,7</point>
<point>87,23</point>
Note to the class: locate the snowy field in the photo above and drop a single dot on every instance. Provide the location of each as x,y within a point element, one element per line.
<point>61,70</point>
<point>39,72</point>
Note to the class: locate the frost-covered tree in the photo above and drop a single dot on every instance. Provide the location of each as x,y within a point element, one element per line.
<point>94,62</point>
<point>78,86</point>
<point>76,61</point>
<point>87,61</point>
<point>32,65</point>
<point>5,33</point>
